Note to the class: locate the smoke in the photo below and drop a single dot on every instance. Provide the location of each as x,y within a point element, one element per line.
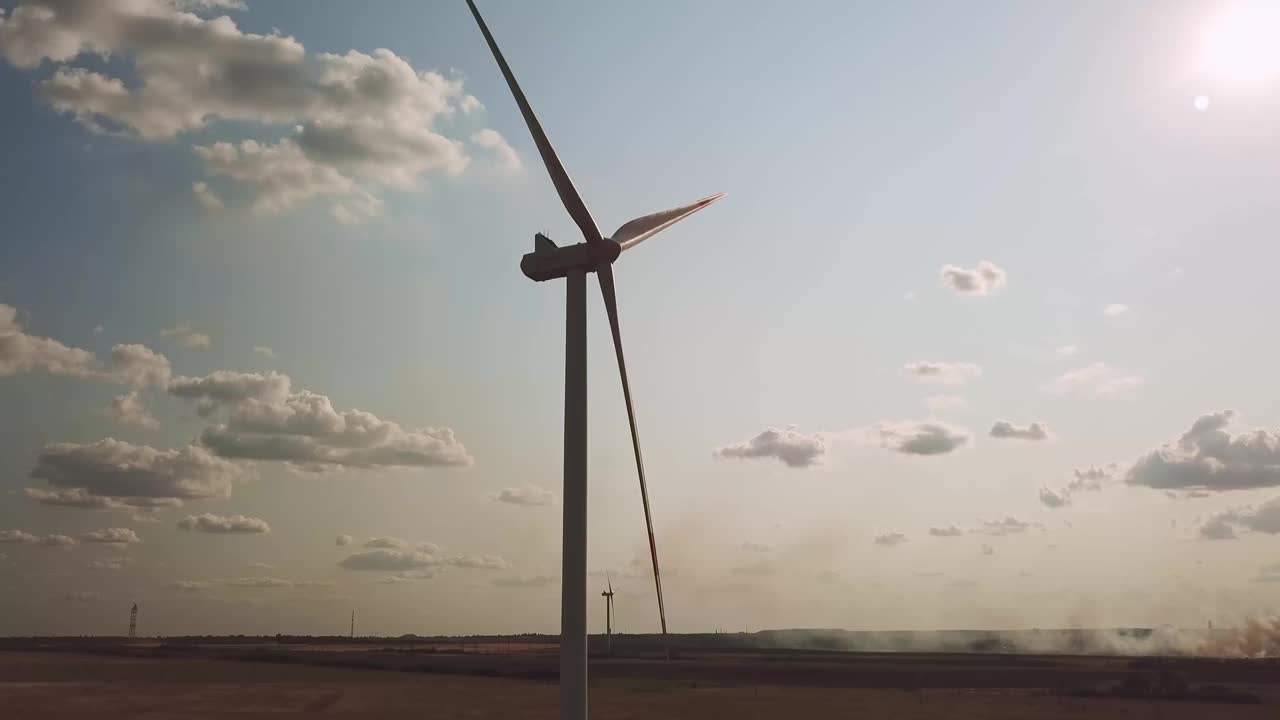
<point>1116,642</point>
<point>1259,638</point>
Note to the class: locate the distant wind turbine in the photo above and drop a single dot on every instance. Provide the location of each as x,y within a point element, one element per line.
<point>608,615</point>
<point>549,262</point>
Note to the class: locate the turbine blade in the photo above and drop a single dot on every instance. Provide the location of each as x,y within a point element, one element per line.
<point>642,228</point>
<point>605,273</point>
<point>608,580</point>
<point>559,177</point>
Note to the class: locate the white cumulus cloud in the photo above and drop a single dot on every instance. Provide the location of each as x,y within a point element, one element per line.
<point>793,448</point>
<point>111,536</point>
<point>130,409</point>
<point>184,335</point>
<point>942,373</point>
<point>1210,457</point>
<point>1006,430</point>
<point>1099,377</point>
<point>217,524</point>
<point>134,475</point>
<point>529,495</point>
<point>362,121</point>
<point>983,279</point>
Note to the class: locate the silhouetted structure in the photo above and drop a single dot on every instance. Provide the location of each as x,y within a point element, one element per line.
<point>133,621</point>
<point>353,624</point>
<point>608,615</point>
<point>573,263</point>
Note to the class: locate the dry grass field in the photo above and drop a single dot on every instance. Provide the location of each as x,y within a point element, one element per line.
<point>246,682</point>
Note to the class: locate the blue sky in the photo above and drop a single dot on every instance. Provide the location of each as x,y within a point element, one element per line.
<point>865,149</point>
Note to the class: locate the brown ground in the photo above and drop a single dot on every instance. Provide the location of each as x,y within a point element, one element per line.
<point>42,685</point>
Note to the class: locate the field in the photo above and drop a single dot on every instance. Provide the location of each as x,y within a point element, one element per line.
<point>107,679</point>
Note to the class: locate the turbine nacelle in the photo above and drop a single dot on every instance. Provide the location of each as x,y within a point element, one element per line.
<point>549,262</point>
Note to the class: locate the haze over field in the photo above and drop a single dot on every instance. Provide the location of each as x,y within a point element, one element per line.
<point>980,337</point>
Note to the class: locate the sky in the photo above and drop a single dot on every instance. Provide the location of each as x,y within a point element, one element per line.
<point>977,338</point>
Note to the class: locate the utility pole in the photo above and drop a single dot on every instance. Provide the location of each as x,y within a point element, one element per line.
<point>353,624</point>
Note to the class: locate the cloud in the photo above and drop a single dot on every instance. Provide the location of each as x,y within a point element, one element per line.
<point>949,531</point>
<point>508,162</point>
<point>983,279</point>
<point>21,353</point>
<point>389,560</point>
<point>1091,478</point>
<point>72,498</point>
<point>190,585</point>
<point>988,550</point>
<point>83,596</point>
<point>227,387</point>
<point>262,566</point>
<point>1268,574</point>
<point>792,448</point>
<point>137,365</point>
<point>1036,431</point>
<point>1115,310</point>
<point>119,563</point>
<point>207,198</point>
<point>186,337</point>
<point>1264,518</point>
<point>393,555</point>
<point>218,525</point>
<point>111,536</point>
<point>536,581</point>
<point>283,177</point>
<point>1209,457</point>
<point>529,495</point>
<point>1067,351</point>
<point>477,562</point>
<point>942,373</point>
<point>1007,526</point>
<point>17,536</point>
<point>756,547</point>
<point>267,421</point>
<point>1055,499</point>
<point>130,409</point>
<point>1104,380</point>
<point>408,576</point>
<point>202,6</point>
<point>20,537</point>
<point>1218,527</point>
<point>920,438</point>
<point>361,121</point>
<point>133,475</point>
<point>343,540</point>
<point>890,539</point>
<point>260,582</point>
<point>1086,480</point>
<point>58,541</point>
<point>264,351</point>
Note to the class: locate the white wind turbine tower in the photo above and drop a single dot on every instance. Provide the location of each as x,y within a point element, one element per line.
<point>548,262</point>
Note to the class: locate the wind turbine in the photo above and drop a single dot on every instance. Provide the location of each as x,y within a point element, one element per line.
<point>549,262</point>
<point>608,615</point>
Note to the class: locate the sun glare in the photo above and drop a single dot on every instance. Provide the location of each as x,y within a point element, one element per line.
<point>1241,43</point>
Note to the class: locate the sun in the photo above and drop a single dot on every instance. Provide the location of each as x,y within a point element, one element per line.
<point>1241,43</point>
